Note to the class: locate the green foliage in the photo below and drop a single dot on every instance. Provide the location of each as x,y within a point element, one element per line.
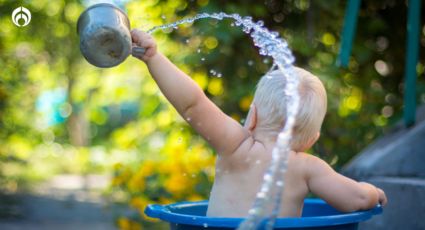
<point>363,99</point>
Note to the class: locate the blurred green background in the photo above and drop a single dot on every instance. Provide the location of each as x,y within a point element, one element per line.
<point>61,115</point>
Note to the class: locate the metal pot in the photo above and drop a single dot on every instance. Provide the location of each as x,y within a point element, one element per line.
<point>105,39</point>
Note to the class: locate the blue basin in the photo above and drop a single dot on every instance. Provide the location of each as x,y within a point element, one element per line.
<point>316,215</point>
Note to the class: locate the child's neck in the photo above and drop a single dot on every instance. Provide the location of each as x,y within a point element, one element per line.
<point>265,137</point>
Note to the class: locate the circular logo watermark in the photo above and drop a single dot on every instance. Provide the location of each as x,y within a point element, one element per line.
<point>21,16</point>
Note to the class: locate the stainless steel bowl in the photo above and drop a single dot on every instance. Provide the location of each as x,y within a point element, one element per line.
<point>105,39</point>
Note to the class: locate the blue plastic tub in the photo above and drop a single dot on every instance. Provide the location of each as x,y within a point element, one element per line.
<point>316,215</point>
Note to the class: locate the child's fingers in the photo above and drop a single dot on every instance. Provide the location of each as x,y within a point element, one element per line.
<point>382,197</point>
<point>384,200</point>
<point>135,35</point>
<point>142,39</point>
<point>147,41</point>
<point>149,52</point>
<point>138,36</point>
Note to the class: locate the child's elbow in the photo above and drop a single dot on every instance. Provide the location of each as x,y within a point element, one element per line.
<point>362,201</point>
<point>367,200</point>
<point>356,204</point>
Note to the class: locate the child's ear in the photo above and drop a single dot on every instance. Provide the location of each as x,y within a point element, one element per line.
<point>251,118</point>
<point>311,142</point>
<point>314,140</point>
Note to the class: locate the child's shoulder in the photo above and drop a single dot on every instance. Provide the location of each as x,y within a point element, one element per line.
<point>248,152</point>
<point>308,158</point>
<point>307,162</point>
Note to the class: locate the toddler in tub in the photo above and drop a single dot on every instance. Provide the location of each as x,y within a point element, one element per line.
<point>244,152</point>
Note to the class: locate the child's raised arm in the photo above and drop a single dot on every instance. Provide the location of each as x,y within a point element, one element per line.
<point>339,191</point>
<point>221,131</point>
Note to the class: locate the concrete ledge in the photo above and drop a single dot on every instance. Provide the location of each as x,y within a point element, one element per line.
<point>398,154</point>
<point>406,206</point>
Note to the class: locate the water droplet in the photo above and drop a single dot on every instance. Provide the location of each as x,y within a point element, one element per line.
<point>203,59</point>
<point>219,75</point>
<point>260,23</point>
<point>246,29</point>
<point>253,211</point>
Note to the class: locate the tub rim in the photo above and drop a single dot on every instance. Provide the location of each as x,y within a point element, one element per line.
<point>163,213</point>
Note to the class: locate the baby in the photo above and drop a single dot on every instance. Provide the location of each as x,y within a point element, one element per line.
<point>244,152</point>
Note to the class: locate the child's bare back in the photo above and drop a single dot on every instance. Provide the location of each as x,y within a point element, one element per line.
<point>236,184</point>
<point>239,177</point>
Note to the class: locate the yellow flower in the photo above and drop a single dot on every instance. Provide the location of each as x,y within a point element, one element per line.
<point>195,197</point>
<point>118,166</point>
<point>211,42</point>
<point>116,181</point>
<point>126,224</point>
<point>123,223</point>
<point>135,226</point>
<point>245,103</point>
<point>147,168</point>
<point>215,86</point>
<point>165,200</point>
<point>177,184</point>
<point>236,117</point>
<point>136,183</point>
<point>138,202</point>
<point>122,177</point>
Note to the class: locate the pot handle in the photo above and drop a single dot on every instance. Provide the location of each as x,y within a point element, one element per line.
<point>138,51</point>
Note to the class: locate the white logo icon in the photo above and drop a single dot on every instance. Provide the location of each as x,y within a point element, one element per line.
<point>19,14</point>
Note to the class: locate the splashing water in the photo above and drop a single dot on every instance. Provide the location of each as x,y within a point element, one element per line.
<point>270,45</point>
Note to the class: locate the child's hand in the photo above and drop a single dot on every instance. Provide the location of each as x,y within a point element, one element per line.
<point>382,197</point>
<point>144,40</point>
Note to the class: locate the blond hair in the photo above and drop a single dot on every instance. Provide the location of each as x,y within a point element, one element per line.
<point>270,102</point>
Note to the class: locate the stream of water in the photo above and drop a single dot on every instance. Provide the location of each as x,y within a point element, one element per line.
<point>269,44</point>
